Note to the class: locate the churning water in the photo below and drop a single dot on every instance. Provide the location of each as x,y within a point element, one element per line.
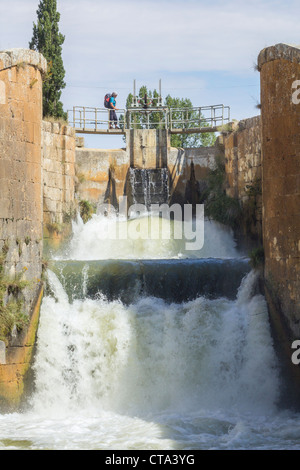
<point>146,372</point>
<point>116,238</point>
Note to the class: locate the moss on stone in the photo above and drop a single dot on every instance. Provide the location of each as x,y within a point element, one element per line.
<point>86,210</point>
<point>11,304</point>
<point>218,205</point>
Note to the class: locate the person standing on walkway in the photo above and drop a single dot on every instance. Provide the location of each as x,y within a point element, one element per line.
<point>112,114</point>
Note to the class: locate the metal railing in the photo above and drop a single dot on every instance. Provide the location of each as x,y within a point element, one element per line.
<point>197,118</point>
<point>89,119</point>
<point>150,118</point>
<point>177,120</point>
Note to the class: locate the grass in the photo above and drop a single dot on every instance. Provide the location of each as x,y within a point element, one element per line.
<point>68,216</point>
<point>54,227</point>
<point>86,210</point>
<point>257,257</point>
<point>218,205</point>
<point>81,177</point>
<point>11,305</point>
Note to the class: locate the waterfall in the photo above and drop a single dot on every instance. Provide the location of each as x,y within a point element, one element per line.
<point>107,238</point>
<point>149,186</point>
<point>153,356</point>
<point>135,352</point>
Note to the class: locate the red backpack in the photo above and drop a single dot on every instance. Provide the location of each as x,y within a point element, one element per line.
<point>106,100</point>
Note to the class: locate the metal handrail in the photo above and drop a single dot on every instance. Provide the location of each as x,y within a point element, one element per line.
<point>197,115</point>
<point>139,118</point>
<point>89,119</point>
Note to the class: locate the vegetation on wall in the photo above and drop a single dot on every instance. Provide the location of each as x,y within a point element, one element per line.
<point>86,210</point>
<point>48,41</point>
<point>218,205</point>
<point>252,206</point>
<point>257,257</point>
<point>11,304</point>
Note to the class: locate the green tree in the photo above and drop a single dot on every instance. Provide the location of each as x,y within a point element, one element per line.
<point>177,140</point>
<point>140,120</point>
<point>48,41</point>
<point>188,140</point>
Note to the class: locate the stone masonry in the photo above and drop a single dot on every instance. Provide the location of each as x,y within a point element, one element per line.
<point>58,174</point>
<point>21,214</point>
<point>279,67</point>
<point>242,149</point>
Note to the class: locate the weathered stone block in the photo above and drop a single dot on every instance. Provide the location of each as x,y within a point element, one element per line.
<point>2,353</point>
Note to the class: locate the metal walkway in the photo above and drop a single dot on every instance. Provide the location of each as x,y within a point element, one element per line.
<point>88,120</point>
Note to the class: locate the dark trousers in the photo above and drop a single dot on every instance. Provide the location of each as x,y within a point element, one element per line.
<point>113,117</point>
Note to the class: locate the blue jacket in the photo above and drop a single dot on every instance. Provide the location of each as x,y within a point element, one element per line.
<point>112,100</point>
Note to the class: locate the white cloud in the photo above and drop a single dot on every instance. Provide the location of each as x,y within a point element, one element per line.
<point>108,44</point>
<point>133,35</point>
<point>138,37</point>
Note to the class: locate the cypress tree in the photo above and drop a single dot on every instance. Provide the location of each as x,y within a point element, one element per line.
<point>48,41</point>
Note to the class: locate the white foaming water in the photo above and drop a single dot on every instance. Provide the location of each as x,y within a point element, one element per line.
<point>153,375</point>
<point>95,239</point>
<point>152,356</point>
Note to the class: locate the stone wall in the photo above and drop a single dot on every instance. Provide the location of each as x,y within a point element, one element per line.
<point>20,201</point>
<point>188,170</point>
<point>242,149</point>
<point>279,67</point>
<point>58,164</point>
<point>101,174</point>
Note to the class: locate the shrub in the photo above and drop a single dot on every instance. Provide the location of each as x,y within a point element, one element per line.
<point>86,210</point>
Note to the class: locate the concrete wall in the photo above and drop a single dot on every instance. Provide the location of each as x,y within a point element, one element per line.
<point>58,165</point>
<point>188,170</point>
<point>148,148</point>
<point>279,66</point>
<point>242,149</point>
<point>102,174</point>
<point>20,197</point>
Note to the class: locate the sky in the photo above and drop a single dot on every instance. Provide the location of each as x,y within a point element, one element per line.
<point>204,51</point>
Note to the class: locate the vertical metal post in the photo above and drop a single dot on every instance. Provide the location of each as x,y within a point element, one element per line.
<point>160,98</point>
<point>134,94</point>
<point>74,117</point>
<point>96,119</point>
